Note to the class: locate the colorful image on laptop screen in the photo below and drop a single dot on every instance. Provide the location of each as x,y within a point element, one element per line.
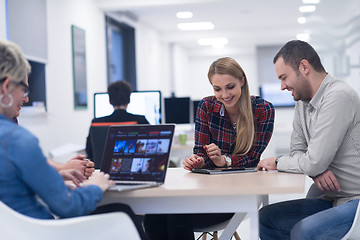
<point>138,152</point>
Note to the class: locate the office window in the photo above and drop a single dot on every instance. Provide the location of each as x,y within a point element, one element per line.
<point>120,52</point>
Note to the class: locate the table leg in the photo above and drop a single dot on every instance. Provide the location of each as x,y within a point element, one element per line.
<point>232,226</point>
<point>254,225</point>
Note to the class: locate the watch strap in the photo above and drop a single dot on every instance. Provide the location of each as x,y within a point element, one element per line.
<point>277,159</point>
<point>228,161</point>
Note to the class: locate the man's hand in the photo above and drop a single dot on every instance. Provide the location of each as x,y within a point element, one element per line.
<point>327,182</point>
<point>72,175</point>
<point>267,164</point>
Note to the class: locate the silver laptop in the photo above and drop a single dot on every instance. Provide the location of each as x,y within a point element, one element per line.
<point>137,156</point>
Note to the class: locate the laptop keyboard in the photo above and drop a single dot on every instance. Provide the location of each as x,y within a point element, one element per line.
<point>129,184</point>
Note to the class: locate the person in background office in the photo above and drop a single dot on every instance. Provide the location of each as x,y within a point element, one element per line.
<point>232,128</point>
<point>324,145</point>
<point>119,96</point>
<point>29,185</point>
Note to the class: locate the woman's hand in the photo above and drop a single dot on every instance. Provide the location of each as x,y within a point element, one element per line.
<point>101,180</point>
<point>194,161</point>
<point>214,153</point>
<point>72,175</point>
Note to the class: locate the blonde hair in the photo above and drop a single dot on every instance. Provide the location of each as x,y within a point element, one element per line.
<point>13,64</point>
<point>245,123</point>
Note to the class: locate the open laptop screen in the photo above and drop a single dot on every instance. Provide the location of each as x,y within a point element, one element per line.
<point>138,152</point>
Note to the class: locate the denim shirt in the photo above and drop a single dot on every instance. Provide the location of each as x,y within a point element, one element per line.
<point>29,185</point>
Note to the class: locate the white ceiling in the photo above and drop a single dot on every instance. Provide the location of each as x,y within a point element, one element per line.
<point>245,23</point>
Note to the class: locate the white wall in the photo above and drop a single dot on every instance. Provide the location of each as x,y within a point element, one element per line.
<point>353,52</point>
<point>152,59</point>
<point>197,84</point>
<point>63,124</point>
<point>2,20</point>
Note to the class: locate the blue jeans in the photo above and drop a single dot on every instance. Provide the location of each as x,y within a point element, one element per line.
<point>306,219</point>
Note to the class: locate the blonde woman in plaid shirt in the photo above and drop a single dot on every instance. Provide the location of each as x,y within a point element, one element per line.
<point>232,128</point>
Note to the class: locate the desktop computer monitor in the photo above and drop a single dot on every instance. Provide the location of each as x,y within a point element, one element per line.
<point>195,105</point>
<point>177,110</point>
<point>147,103</point>
<point>272,93</point>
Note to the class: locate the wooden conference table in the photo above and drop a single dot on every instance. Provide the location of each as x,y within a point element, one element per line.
<point>186,192</point>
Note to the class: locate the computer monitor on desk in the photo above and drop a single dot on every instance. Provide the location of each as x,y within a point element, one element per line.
<point>195,106</point>
<point>147,103</point>
<point>272,93</point>
<point>177,109</point>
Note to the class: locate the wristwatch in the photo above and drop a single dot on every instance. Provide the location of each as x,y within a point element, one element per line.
<point>277,160</point>
<point>228,161</point>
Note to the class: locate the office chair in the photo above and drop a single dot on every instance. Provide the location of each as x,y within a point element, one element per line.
<point>230,224</point>
<point>354,231</point>
<point>93,227</point>
<point>98,134</point>
<point>314,191</point>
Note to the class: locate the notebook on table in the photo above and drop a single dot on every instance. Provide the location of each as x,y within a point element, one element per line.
<point>137,156</point>
<point>223,170</point>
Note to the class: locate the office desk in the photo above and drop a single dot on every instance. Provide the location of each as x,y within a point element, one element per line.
<point>185,192</point>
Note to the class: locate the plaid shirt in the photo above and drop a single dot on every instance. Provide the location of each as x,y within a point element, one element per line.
<point>211,127</point>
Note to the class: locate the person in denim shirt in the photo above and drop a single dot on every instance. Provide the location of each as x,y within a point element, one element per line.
<point>28,184</point>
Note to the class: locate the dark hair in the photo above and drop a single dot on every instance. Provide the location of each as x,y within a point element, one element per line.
<point>119,93</point>
<point>295,51</point>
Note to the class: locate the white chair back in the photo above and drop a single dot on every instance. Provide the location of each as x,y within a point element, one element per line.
<point>354,232</point>
<point>116,225</point>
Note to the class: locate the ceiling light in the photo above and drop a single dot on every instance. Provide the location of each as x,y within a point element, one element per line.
<point>196,26</point>
<point>311,1</point>
<point>301,20</point>
<point>303,37</point>
<point>307,8</point>
<point>184,15</point>
<point>214,42</point>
